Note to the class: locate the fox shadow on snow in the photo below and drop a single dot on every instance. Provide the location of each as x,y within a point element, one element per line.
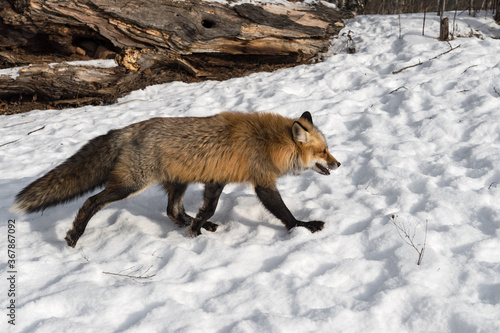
<point>149,205</point>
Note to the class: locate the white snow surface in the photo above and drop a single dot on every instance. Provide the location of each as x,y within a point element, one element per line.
<point>422,145</point>
<point>109,63</point>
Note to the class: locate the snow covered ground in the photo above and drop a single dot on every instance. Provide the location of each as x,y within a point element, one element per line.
<point>423,145</point>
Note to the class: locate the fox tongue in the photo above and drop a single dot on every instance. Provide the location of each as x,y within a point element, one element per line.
<point>324,170</point>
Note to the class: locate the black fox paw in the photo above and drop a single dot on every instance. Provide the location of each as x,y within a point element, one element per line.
<point>313,226</point>
<point>71,238</point>
<point>210,226</point>
<point>193,232</point>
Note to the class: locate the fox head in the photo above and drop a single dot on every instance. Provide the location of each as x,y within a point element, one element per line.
<point>312,146</point>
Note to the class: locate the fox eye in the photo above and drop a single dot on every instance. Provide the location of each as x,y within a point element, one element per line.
<point>324,151</point>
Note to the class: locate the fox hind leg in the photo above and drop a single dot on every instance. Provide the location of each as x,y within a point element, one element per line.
<point>177,213</point>
<point>175,206</point>
<point>92,205</point>
<point>211,197</point>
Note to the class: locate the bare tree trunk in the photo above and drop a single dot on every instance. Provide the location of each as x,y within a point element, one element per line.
<point>425,14</point>
<point>497,11</point>
<point>444,27</point>
<point>444,31</point>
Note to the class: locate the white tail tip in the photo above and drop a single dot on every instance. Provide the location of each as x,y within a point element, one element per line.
<point>17,208</point>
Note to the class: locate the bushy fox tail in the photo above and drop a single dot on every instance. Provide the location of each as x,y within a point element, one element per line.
<point>81,173</point>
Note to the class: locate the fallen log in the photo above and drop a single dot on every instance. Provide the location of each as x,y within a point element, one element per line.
<point>152,41</point>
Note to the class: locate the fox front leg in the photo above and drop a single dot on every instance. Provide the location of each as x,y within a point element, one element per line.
<point>271,199</point>
<point>211,197</point>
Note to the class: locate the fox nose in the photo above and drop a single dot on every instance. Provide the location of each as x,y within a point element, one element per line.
<point>338,164</point>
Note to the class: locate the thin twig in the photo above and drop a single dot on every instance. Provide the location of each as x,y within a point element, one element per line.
<point>131,276</point>
<point>352,48</point>
<point>349,44</point>
<point>421,255</point>
<point>39,129</point>
<point>407,67</point>
<point>132,100</point>
<point>84,255</point>
<point>396,90</point>
<point>27,122</point>
<point>451,49</point>
<point>404,234</point>
<point>5,144</point>
<point>495,89</point>
<point>420,63</point>
<point>134,277</point>
<point>468,68</point>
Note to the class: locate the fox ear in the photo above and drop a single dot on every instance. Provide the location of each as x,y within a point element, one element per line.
<point>307,116</point>
<point>300,133</point>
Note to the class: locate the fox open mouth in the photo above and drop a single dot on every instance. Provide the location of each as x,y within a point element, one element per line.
<point>322,169</point>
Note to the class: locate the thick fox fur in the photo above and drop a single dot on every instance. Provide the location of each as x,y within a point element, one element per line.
<point>255,148</point>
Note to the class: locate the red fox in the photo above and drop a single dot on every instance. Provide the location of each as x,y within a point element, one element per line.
<point>255,148</point>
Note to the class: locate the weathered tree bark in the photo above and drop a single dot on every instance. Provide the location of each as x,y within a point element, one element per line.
<point>497,11</point>
<point>154,41</point>
<point>444,29</point>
